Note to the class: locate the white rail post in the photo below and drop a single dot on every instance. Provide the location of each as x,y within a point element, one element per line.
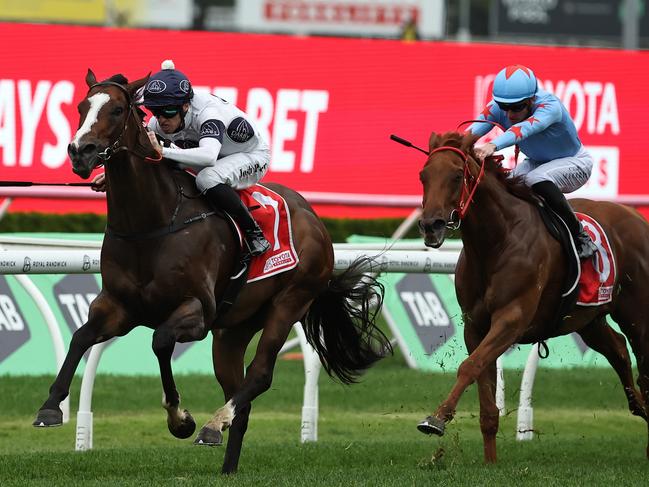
<point>525,421</point>
<point>500,386</point>
<point>84,415</point>
<point>52,326</point>
<point>312,366</point>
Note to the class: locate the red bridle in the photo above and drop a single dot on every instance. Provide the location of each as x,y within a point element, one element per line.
<point>469,185</point>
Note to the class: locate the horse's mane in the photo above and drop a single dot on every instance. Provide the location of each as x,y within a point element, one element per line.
<point>117,78</point>
<point>515,186</point>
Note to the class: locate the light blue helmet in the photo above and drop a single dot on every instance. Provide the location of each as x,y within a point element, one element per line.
<point>514,83</point>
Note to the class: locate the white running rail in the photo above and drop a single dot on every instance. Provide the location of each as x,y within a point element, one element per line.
<point>40,259</point>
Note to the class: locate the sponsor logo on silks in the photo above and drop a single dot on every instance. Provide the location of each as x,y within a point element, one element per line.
<point>240,130</point>
<point>27,264</point>
<point>212,128</point>
<point>251,169</point>
<point>278,260</point>
<point>156,86</point>
<point>184,86</point>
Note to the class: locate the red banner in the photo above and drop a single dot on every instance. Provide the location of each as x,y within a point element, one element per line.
<point>328,106</point>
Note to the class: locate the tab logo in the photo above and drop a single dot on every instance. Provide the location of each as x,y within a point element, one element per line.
<point>14,332</point>
<point>74,293</point>
<point>428,315</point>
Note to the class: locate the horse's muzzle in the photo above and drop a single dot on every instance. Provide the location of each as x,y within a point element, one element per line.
<point>83,159</point>
<point>433,231</point>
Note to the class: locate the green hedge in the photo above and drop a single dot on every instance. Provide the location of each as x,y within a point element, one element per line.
<point>339,229</point>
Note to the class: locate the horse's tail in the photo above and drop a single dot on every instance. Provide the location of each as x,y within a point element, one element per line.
<point>341,323</point>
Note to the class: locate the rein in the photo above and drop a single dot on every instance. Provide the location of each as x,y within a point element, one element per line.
<point>173,227</point>
<point>117,146</point>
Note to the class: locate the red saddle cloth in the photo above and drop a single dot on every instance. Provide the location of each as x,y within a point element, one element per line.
<point>598,273</point>
<point>271,213</point>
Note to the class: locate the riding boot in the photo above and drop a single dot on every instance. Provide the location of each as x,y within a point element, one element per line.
<point>558,203</point>
<point>226,198</point>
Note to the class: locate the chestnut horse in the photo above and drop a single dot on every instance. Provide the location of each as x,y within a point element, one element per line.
<point>511,271</point>
<point>160,271</point>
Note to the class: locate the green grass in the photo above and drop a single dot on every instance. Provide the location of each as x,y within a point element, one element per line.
<point>367,435</point>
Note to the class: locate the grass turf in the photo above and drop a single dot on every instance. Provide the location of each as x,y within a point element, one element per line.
<point>367,436</point>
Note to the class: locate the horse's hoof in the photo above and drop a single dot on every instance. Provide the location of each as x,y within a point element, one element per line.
<point>48,417</point>
<point>432,426</point>
<point>185,429</point>
<point>209,437</point>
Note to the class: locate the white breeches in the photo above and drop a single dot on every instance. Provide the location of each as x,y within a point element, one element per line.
<point>568,173</point>
<point>240,170</point>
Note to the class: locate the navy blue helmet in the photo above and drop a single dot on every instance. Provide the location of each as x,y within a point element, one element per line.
<point>167,87</point>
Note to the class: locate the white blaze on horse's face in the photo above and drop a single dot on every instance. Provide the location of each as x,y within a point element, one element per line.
<point>96,102</point>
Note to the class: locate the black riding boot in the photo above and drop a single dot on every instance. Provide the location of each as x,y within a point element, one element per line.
<point>558,203</point>
<point>226,198</point>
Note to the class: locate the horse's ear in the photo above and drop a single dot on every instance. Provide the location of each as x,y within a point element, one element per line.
<point>91,79</point>
<point>133,87</point>
<point>433,141</point>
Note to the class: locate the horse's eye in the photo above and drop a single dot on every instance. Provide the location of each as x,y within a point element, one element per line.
<point>118,111</point>
<point>457,178</point>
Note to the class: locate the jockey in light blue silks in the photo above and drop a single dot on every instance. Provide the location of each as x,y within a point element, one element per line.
<point>536,120</point>
<point>213,138</point>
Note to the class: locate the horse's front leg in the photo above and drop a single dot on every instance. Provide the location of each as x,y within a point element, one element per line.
<point>489,414</point>
<point>186,323</point>
<point>505,328</point>
<point>106,319</point>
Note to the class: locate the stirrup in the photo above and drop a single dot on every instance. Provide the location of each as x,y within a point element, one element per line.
<point>256,242</point>
<point>585,246</point>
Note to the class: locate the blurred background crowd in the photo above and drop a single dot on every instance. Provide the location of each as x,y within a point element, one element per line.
<point>604,23</point>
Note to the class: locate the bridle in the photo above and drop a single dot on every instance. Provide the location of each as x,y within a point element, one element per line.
<point>117,146</point>
<point>469,186</point>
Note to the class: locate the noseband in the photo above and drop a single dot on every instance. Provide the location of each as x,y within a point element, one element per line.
<point>469,186</point>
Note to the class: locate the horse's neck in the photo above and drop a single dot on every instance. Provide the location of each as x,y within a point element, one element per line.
<point>490,218</point>
<point>141,196</point>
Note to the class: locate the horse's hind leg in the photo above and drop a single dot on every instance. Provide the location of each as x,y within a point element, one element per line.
<point>106,319</point>
<point>632,316</point>
<point>228,351</point>
<point>599,336</point>
<point>288,307</point>
<point>184,324</point>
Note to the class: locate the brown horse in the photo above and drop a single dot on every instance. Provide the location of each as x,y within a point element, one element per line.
<point>510,275</point>
<point>170,276</point>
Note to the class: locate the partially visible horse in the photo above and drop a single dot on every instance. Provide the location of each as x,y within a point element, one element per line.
<point>170,276</point>
<point>511,272</point>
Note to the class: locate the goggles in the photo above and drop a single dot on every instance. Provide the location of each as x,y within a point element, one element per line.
<point>166,112</point>
<point>513,107</point>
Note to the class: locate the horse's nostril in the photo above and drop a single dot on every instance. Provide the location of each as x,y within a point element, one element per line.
<point>430,225</point>
<point>438,224</point>
<point>88,149</point>
<point>72,150</point>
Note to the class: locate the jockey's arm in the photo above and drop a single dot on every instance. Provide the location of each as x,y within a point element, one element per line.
<point>489,113</point>
<point>541,118</point>
<point>197,158</point>
<point>205,155</point>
